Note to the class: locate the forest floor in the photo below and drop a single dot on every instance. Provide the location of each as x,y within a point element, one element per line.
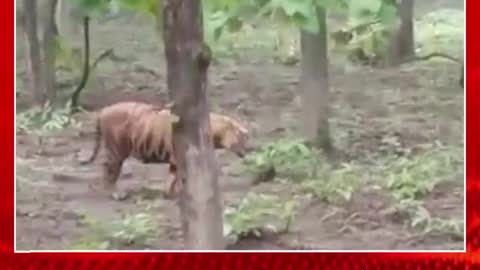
<point>413,112</point>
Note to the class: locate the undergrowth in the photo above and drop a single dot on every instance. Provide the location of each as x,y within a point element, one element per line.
<point>127,231</point>
<point>44,119</point>
<point>298,163</point>
<point>407,178</point>
<point>258,213</point>
<point>410,179</point>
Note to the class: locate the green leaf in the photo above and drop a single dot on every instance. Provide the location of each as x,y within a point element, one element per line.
<point>299,12</point>
<point>387,13</point>
<point>304,150</point>
<point>333,5</point>
<point>234,24</point>
<point>364,8</point>
<point>308,23</point>
<point>92,7</point>
<point>147,7</point>
<point>214,24</point>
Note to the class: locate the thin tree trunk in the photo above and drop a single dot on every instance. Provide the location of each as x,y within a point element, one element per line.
<point>402,46</point>
<point>33,57</point>
<point>462,76</point>
<point>188,59</point>
<point>69,19</point>
<point>315,84</point>
<point>48,49</point>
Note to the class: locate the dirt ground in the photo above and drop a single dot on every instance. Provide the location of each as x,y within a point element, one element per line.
<point>419,102</point>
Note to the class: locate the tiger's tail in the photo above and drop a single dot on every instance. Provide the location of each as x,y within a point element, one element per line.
<point>98,142</point>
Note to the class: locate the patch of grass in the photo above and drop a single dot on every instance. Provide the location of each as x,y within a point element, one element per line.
<point>407,178</point>
<point>421,219</point>
<point>335,185</point>
<point>258,213</point>
<point>44,119</point>
<point>450,227</point>
<point>411,178</point>
<point>129,230</point>
<point>296,162</point>
<point>291,159</point>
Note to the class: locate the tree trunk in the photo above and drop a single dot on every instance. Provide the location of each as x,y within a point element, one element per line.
<point>40,57</point>
<point>48,48</point>
<point>188,59</point>
<point>314,82</point>
<point>402,46</point>
<point>461,80</point>
<point>34,83</point>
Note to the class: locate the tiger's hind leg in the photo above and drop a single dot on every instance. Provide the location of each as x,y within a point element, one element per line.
<point>111,169</point>
<point>110,179</point>
<point>173,184</point>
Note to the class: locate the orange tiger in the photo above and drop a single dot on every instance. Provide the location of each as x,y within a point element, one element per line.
<point>143,131</point>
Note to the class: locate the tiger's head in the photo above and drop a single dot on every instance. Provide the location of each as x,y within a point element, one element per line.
<point>229,134</point>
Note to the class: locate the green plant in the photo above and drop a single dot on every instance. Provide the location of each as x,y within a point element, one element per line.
<point>258,212</point>
<point>295,161</point>
<point>334,185</point>
<point>130,229</point>
<point>420,218</point>
<point>44,119</point>
<point>452,227</point>
<point>290,158</point>
<point>412,178</point>
<point>136,228</point>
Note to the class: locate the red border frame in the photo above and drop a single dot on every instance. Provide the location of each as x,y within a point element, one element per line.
<point>471,258</point>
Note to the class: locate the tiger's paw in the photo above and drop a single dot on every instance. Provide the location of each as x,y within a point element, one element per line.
<point>119,195</point>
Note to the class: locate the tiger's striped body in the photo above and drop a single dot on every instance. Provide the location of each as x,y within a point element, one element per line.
<point>144,132</point>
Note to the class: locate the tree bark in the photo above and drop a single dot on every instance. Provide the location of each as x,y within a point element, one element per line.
<point>188,58</point>
<point>315,84</point>
<point>34,83</point>
<point>40,57</point>
<point>48,48</point>
<point>461,80</point>
<point>402,46</point>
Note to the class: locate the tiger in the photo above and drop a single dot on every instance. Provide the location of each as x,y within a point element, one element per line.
<point>144,132</point>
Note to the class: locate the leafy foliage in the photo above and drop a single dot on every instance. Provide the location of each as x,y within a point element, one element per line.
<point>367,19</point>
<point>366,32</point>
<point>334,185</point>
<point>130,229</point>
<point>440,31</point>
<point>421,219</point>
<point>408,178</point>
<point>290,158</point>
<point>259,212</point>
<point>92,7</point>
<point>293,160</point>
<point>411,179</point>
<point>44,119</point>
